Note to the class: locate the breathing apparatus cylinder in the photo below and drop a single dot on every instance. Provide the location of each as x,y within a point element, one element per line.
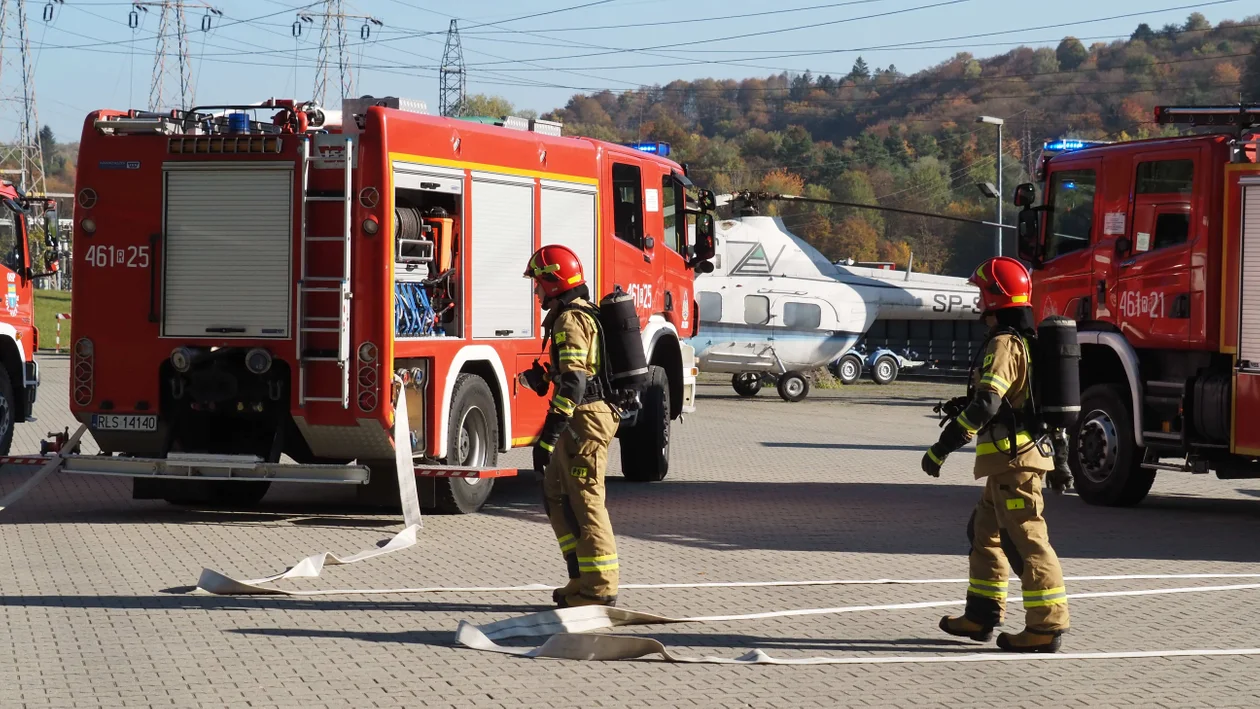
<point>626,364</point>
<point>1058,372</point>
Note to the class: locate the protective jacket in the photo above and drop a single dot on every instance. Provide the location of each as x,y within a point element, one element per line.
<point>998,413</point>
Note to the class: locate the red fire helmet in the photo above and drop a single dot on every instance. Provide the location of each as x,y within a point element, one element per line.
<point>1003,283</point>
<point>556,268</point>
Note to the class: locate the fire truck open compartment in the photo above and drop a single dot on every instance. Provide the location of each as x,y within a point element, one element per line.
<point>428,231</point>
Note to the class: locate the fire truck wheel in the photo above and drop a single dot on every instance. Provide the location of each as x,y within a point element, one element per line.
<point>473,432</point>
<point>645,446</point>
<point>746,383</point>
<point>8,405</point>
<point>1105,460</point>
<point>793,386</point>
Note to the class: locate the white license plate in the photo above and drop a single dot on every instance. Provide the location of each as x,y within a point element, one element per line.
<point>124,422</point>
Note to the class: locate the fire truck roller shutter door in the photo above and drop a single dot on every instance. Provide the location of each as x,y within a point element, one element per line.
<point>227,261</point>
<point>1249,308</point>
<point>502,238</point>
<point>569,219</point>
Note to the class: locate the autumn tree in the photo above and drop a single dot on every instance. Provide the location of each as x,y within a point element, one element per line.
<point>856,239</point>
<point>860,70</point>
<point>485,105</point>
<point>1196,22</point>
<point>1071,53</point>
<point>1251,77</point>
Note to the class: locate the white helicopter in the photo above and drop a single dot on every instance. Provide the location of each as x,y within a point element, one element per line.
<point>774,308</point>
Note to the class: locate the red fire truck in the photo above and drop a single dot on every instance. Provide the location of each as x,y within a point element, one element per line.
<point>1153,246</point>
<point>19,339</point>
<point>260,280</point>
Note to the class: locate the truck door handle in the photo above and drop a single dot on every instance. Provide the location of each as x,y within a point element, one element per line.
<point>154,240</point>
<point>1102,289</point>
<point>669,301</point>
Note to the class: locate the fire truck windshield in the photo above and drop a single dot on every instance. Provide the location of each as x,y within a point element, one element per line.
<point>10,239</point>
<point>1070,220</point>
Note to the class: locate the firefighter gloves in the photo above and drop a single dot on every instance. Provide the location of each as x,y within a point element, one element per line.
<point>932,462</point>
<point>536,379</point>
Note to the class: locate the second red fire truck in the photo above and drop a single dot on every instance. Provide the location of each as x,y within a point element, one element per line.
<point>255,281</point>
<point>1153,247</point>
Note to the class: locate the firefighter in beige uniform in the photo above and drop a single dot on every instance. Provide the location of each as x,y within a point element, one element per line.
<point>1007,525</point>
<point>572,450</point>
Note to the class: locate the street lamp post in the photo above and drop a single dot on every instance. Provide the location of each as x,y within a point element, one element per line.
<point>997,237</point>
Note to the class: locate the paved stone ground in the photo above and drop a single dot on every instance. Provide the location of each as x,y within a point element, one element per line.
<point>93,610</point>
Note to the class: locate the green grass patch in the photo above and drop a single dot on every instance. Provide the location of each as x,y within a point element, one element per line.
<point>47,304</point>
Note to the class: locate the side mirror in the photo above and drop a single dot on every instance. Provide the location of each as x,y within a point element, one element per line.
<point>1028,233</point>
<point>50,228</point>
<point>705,246</point>
<point>1025,194</point>
<point>707,201</point>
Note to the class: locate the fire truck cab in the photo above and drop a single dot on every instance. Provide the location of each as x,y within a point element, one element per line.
<point>1153,246</point>
<point>255,281</point>
<point>19,339</point>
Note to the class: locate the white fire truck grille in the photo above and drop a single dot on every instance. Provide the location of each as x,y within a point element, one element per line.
<point>227,252</point>
<point>1249,308</point>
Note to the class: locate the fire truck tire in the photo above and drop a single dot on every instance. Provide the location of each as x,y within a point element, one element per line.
<point>746,383</point>
<point>1102,453</point>
<point>8,409</point>
<point>473,432</point>
<point>793,386</point>
<point>645,446</point>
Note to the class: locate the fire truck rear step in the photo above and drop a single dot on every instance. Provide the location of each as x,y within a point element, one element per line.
<point>241,468</point>
<point>215,467</point>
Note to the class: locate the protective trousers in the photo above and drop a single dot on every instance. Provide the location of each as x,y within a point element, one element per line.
<point>1007,526</point>
<point>573,491</point>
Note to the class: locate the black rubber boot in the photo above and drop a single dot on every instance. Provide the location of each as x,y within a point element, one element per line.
<point>964,627</point>
<point>1031,641</point>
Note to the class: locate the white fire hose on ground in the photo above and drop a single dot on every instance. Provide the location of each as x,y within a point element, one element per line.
<point>569,631</point>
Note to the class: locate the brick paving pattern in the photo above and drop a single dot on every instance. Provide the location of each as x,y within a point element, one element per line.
<point>93,610</point>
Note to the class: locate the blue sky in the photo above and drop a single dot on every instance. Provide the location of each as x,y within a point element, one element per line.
<point>88,57</point>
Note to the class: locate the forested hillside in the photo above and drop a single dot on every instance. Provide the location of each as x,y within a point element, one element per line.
<point>876,135</point>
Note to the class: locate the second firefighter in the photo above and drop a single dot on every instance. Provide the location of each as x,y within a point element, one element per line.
<point>572,450</point>
<point>1007,527</point>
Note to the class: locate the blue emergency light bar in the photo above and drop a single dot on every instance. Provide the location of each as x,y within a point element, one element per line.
<point>653,147</point>
<point>1072,144</point>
